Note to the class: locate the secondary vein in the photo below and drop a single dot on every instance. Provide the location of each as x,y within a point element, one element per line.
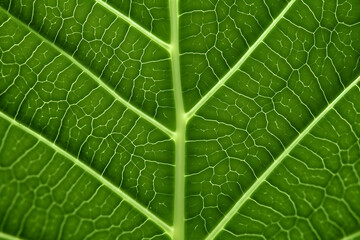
<point>352,236</point>
<point>231,72</point>
<point>8,236</point>
<point>271,168</point>
<point>91,172</point>
<point>132,23</point>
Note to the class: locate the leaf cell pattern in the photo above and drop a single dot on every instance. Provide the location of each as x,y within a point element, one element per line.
<point>179,120</point>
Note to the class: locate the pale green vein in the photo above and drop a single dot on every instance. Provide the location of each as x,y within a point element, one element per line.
<point>95,78</point>
<point>231,72</point>
<point>179,194</point>
<point>135,25</point>
<point>352,236</point>
<point>8,236</point>
<point>94,174</point>
<point>271,168</point>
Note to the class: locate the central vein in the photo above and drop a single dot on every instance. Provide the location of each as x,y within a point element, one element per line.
<point>179,198</point>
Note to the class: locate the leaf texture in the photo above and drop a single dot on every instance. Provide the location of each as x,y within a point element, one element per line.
<point>152,119</point>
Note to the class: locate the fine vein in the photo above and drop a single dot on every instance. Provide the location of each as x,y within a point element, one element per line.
<point>352,236</point>
<point>96,79</point>
<point>271,168</point>
<point>179,195</point>
<point>91,172</point>
<point>8,236</point>
<point>132,23</point>
<point>223,80</point>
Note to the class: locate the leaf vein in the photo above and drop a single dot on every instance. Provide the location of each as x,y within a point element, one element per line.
<point>168,229</point>
<point>179,192</point>
<point>95,78</point>
<point>231,72</point>
<point>277,161</point>
<point>132,23</point>
<point>352,236</point>
<point>8,236</point>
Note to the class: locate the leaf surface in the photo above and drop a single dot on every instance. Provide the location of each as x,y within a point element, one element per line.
<point>180,119</point>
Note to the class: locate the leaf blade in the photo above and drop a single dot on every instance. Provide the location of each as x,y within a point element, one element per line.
<point>135,25</point>
<point>277,161</point>
<point>94,174</point>
<point>238,64</point>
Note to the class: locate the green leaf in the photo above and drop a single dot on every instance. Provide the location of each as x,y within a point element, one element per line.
<point>154,119</point>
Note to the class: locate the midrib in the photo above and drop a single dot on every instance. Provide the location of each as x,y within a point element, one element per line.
<point>183,117</point>
<point>179,198</point>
